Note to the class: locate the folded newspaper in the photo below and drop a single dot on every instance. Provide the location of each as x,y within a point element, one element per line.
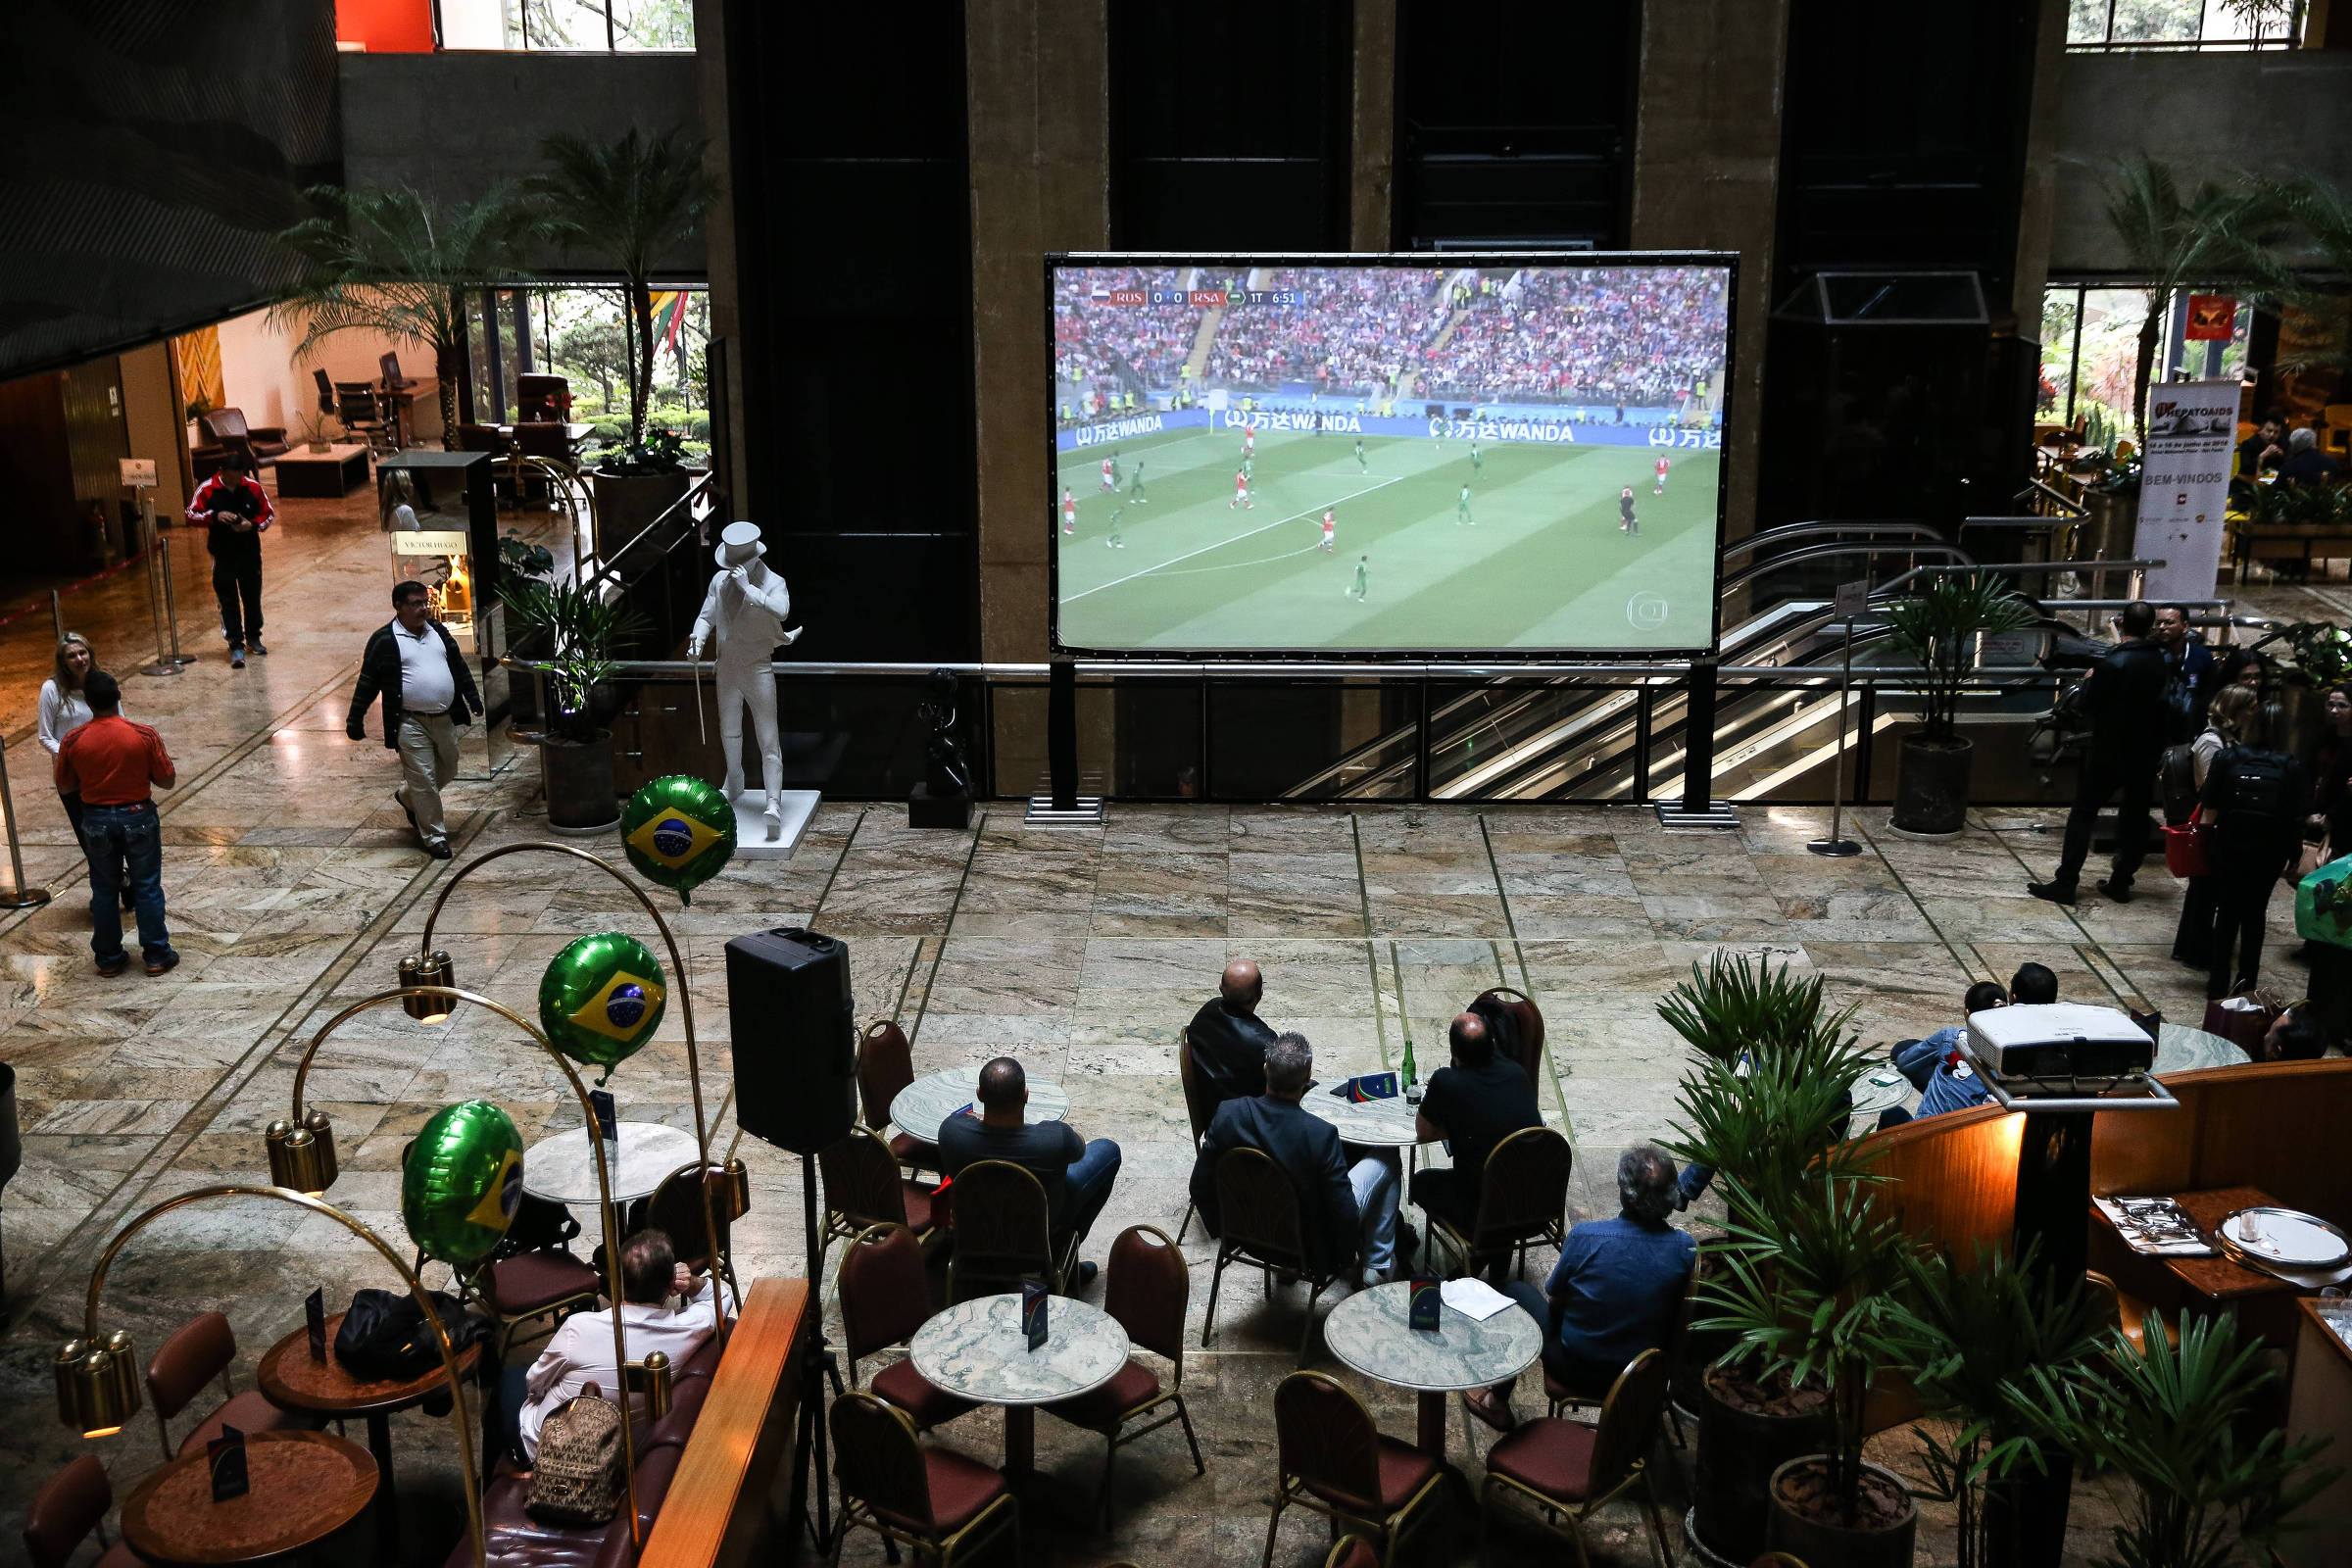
<point>2155,1227</point>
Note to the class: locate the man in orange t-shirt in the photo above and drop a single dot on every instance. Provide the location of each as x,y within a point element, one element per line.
<point>116,766</point>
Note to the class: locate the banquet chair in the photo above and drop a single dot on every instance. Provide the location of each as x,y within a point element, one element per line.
<point>1198,1110</point>
<point>885,1295</point>
<point>1262,1226</point>
<point>198,1351</point>
<point>943,1504</point>
<point>532,1272</point>
<point>863,1188</point>
<point>1334,1460</point>
<point>1522,1201</point>
<point>1528,1019</point>
<point>1004,1232</point>
<point>676,1210</point>
<point>1353,1552</point>
<point>70,1505</point>
<point>885,1066</point>
<point>1145,1288</point>
<point>1568,1470</point>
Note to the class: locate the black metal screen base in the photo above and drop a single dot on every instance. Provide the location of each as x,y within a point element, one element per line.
<point>1718,814</point>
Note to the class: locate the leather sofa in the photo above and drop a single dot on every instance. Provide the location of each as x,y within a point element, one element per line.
<point>515,1540</point>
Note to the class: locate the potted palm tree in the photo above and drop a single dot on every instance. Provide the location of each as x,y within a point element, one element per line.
<point>1939,628</point>
<point>1738,1004</point>
<point>627,204</point>
<point>582,633</point>
<point>393,262</point>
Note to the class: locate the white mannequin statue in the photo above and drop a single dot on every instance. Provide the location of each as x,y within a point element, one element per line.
<point>746,608</point>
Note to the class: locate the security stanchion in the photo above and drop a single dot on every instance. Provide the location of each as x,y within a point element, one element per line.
<point>18,896</point>
<point>162,664</point>
<point>163,543</point>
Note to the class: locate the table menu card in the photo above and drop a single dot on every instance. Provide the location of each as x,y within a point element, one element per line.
<point>1033,1312</point>
<point>1422,1311</point>
<point>608,1120</point>
<point>2155,1227</point>
<point>227,1456</point>
<point>1365,1086</point>
<point>314,1313</point>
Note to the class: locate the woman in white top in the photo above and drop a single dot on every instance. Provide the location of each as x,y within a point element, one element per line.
<point>2233,719</point>
<point>64,710</point>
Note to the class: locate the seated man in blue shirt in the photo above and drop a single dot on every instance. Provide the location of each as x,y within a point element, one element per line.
<point>1947,1081</point>
<point>1075,1172</point>
<point>1615,1294</point>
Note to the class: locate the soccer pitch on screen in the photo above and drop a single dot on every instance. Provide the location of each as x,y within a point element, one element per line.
<point>1447,458</point>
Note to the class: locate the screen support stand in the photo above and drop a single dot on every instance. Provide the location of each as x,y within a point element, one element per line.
<point>1699,807</point>
<point>1065,807</point>
<point>1838,846</point>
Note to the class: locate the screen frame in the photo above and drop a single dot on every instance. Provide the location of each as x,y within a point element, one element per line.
<point>1729,261</point>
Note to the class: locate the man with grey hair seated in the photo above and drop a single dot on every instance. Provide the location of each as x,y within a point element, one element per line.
<point>1615,1292</point>
<point>1346,1211</point>
<point>2307,461</point>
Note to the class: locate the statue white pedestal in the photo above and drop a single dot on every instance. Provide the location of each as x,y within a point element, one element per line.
<point>752,842</point>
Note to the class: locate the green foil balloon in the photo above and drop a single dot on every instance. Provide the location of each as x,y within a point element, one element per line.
<point>678,831</point>
<point>462,1181</point>
<point>600,999</point>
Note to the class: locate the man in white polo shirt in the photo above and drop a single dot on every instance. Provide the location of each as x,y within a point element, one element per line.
<point>581,1351</point>
<point>427,692</point>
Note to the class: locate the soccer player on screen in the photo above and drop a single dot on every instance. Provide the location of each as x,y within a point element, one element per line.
<point>1325,545</point>
<point>1069,512</point>
<point>1478,464</point>
<point>1627,522</point>
<point>1248,441</point>
<point>1135,484</point>
<point>1241,492</point>
<point>1360,590</point>
<point>1662,464</point>
<point>1361,466</point>
<point>1114,542</point>
<point>1250,467</point>
<point>1462,509</point>
<point>1110,475</point>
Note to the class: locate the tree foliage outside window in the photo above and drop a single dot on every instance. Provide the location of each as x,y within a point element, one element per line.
<point>2210,24</point>
<point>590,26</point>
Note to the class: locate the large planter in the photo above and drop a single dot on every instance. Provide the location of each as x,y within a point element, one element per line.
<point>580,794</point>
<point>1879,1543</point>
<point>1931,784</point>
<point>626,502</point>
<point>1739,1446</point>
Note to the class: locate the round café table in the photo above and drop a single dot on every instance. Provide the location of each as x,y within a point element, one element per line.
<point>293,1381</point>
<point>935,1096</point>
<point>562,1166</point>
<point>1368,1333</point>
<point>976,1348</point>
<point>1880,1087</point>
<point>303,1488</point>
<point>1369,1124</point>
<point>2182,1049</point>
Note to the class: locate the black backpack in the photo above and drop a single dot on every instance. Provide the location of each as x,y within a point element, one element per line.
<point>2258,796</point>
<point>2176,783</point>
<point>384,1334</point>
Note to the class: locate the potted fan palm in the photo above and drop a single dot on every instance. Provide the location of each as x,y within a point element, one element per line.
<point>582,632</point>
<point>626,205</point>
<point>1738,1004</point>
<point>1938,627</point>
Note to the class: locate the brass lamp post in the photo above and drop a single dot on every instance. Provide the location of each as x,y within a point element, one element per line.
<point>98,1386</point>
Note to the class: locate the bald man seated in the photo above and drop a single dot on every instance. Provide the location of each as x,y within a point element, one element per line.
<point>1228,1040</point>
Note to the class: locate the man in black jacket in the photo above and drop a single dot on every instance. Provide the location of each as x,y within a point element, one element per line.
<point>428,692</point>
<point>1228,1040</point>
<point>2254,800</point>
<point>2124,696</point>
<point>234,513</point>
<point>1346,1212</point>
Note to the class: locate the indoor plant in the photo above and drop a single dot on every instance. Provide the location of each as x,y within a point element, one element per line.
<point>2172,1422</point>
<point>627,204</point>
<point>582,634</point>
<point>1974,1336</point>
<point>1939,628</point>
<point>392,263</point>
<point>1739,1003</point>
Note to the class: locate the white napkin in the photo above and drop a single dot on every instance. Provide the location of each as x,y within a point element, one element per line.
<point>1474,1298</point>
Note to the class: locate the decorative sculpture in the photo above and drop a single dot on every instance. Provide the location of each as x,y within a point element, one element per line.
<point>745,610</point>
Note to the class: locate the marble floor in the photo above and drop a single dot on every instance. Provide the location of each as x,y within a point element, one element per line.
<point>294,889</point>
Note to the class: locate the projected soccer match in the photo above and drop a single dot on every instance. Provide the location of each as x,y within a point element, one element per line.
<point>1405,456</point>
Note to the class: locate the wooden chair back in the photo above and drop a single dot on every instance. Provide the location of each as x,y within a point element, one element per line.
<point>198,1351</point>
<point>884,1293</point>
<point>70,1505</point>
<point>1002,1230</point>
<point>1196,1107</point>
<point>1326,1437</point>
<point>1146,1287</point>
<point>885,1065</point>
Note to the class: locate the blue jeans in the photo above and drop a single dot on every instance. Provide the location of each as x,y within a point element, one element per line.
<point>113,837</point>
<point>1088,1186</point>
<point>1377,1178</point>
<point>1577,1371</point>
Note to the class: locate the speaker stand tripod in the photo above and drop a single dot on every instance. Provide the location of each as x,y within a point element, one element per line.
<point>809,1443</point>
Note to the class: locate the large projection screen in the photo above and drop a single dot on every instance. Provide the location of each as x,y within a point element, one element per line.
<point>1387,456</point>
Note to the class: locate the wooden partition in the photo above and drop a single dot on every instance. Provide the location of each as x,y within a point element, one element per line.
<point>726,1504</point>
<point>1953,1178</point>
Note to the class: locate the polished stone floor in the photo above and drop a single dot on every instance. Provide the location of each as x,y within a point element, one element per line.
<point>294,890</point>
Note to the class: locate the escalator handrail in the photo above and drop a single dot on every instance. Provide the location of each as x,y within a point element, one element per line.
<point>1790,534</point>
<point>1951,552</point>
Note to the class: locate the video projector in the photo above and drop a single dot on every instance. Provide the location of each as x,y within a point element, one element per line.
<point>2059,1040</point>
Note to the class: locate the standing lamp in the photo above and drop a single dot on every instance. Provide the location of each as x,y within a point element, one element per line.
<point>98,1386</point>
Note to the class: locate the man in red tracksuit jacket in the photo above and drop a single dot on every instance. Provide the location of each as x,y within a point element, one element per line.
<point>237,510</point>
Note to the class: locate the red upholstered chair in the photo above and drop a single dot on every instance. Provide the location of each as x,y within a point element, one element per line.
<point>1145,1286</point>
<point>863,1188</point>
<point>532,1274</point>
<point>1004,1232</point>
<point>1199,1109</point>
<point>1568,1469</point>
<point>1336,1462</point>
<point>70,1505</point>
<point>885,1296</point>
<point>1522,1201</point>
<point>1777,1559</point>
<point>1262,1226</point>
<point>1353,1552</point>
<point>886,1065</point>
<point>1528,1020</point>
<point>943,1504</point>
<point>200,1351</point>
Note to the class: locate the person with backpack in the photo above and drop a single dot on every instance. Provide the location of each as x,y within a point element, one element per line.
<point>2124,696</point>
<point>2233,719</point>
<point>2255,799</point>
<point>2188,672</point>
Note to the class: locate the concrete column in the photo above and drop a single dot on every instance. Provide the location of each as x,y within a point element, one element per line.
<point>1707,176</point>
<point>718,238</point>
<point>1372,127</point>
<point>2039,192</point>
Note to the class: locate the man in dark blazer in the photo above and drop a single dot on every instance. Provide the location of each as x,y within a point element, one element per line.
<point>1347,1213</point>
<point>1228,1040</point>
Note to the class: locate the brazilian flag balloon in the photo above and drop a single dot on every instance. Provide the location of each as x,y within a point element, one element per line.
<point>600,999</point>
<point>678,831</point>
<point>462,1181</point>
